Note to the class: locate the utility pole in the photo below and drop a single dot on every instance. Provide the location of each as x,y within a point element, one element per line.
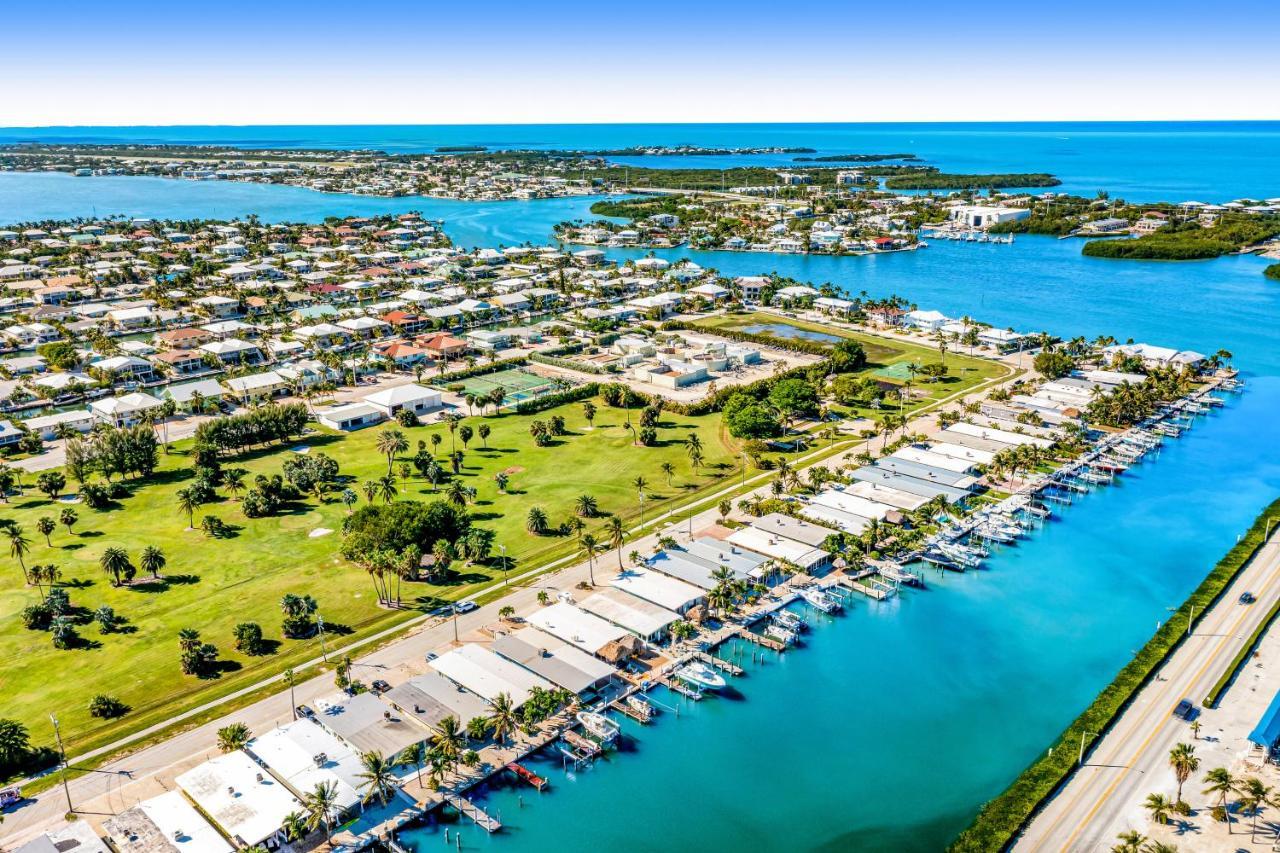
<point>57,733</point>
<point>1083,735</point>
<point>503,549</point>
<point>324,654</point>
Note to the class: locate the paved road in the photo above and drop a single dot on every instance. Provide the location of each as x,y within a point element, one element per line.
<point>106,790</point>
<point>1131,761</point>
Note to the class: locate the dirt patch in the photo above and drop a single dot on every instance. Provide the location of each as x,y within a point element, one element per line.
<point>514,469</point>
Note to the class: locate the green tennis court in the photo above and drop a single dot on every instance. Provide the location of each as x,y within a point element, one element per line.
<point>519,384</point>
<point>897,370</point>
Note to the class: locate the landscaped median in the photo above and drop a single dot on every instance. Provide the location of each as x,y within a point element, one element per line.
<point>999,821</point>
<point>1211,700</point>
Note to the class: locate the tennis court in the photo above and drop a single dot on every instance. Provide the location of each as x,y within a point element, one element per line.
<point>519,384</point>
<point>897,370</point>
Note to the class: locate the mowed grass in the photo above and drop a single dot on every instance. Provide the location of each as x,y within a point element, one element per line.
<point>213,584</point>
<point>965,372</point>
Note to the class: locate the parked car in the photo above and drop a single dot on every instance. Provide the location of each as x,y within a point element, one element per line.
<point>305,711</point>
<point>10,797</point>
<point>465,607</point>
<point>1185,709</point>
<point>379,686</point>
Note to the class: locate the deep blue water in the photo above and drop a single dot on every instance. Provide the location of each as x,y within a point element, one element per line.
<point>1141,161</point>
<point>898,720</point>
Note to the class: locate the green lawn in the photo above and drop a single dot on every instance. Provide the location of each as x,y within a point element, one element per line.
<point>214,584</point>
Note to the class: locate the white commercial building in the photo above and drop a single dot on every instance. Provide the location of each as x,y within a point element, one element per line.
<point>303,754</point>
<point>241,798</point>
<point>643,618</point>
<point>411,398</point>
<point>164,823</point>
<point>662,590</point>
<point>487,674</point>
<point>573,625</point>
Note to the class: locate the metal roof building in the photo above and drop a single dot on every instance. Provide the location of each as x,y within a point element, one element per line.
<point>429,698</point>
<point>662,590</point>
<point>163,824</point>
<point>488,674</point>
<point>573,625</point>
<point>553,659</point>
<point>643,618</point>
<point>368,724</point>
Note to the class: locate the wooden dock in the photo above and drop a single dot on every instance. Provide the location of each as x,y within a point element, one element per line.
<point>868,585</point>
<point>584,746</point>
<point>527,775</point>
<point>627,710</point>
<point>480,816</point>
<point>719,663</point>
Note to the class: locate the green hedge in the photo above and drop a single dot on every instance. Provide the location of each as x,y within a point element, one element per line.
<point>550,401</point>
<point>1002,818</point>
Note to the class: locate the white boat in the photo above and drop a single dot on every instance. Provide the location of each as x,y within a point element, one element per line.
<point>598,725</point>
<point>779,633</point>
<point>790,621</point>
<point>819,599</point>
<point>701,675</point>
<point>642,708</point>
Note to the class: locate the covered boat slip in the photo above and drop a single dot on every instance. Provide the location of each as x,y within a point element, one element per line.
<point>895,498</point>
<point>1006,436</point>
<point>430,697</point>
<point>643,618</point>
<point>912,485</point>
<point>1267,732</point>
<point>554,660</point>
<point>576,626</point>
<point>928,473</point>
<point>662,590</point>
<point>488,674</point>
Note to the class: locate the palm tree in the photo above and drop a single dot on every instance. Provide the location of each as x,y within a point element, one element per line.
<point>188,502</point>
<point>617,534</point>
<point>321,804</point>
<point>1182,758</point>
<point>586,506</point>
<point>668,470</point>
<point>68,518</point>
<point>536,520</point>
<point>152,560</point>
<point>233,481</point>
<point>449,739</point>
<point>379,780</point>
<point>414,755</point>
<point>295,826</point>
<point>387,488</point>
<point>233,737</point>
<point>457,493</point>
<point>640,483</point>
<point>1160,807</point>
<point>503,719</point>
<point>19,547</point>
<point>370,489</point>
<point>589,549</point>
<point>1253,796</point>
<point>1219,781</point>
<point>115,562</point>
<point>1130,842</point>
<point>390,442</point>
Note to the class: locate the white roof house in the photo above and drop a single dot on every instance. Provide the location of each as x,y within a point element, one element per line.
<point>934,460</point>
<point>854,504</point>
<point>240,797</point>
<point>350,416</point>
<point>413,398</point>
<point>488,674</point>
<point>303,754</point>
<point>887,495</point>
<point>164,823</point>
<point>643,618</point>
<point>573,625</point>
<point>662,590</point>
<point>993,434</point>
<point>778,547</point>
<point>554,659</point>
<point>124,410</point>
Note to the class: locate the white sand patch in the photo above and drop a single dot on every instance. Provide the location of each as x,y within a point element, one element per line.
<point>319,531</point>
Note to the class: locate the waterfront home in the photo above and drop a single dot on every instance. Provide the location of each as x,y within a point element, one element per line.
<point>554,660</point>
<point>10,435</point>
<point>881,493</point>
<point>163,824</point>
<point>443,346</point>
<point>781,549</point>
<point>912,485</point>
<point>429,698</point>
<point>124,368</point>
<point>124,411</point>
<point>927,321</point>
<point>303,755</point>
<point>488,341</point>
<point>833,306</point>
<point>185,394</point>
<point>242,800</point>
<point>233,352</point>
<point>410,398</point>
<point>180,361</point>
<point>927,473</point>
<point>1154,356</point>
<point>586,631</point>
<point>660,589</point>
<point>994,434</point>
<point>368,724</point>
<point>984,216</point>
<point>24,365</point>
<point>256,386</point>
<point>487,674</point>
<point>77,836</point>
<point>48,427</point>
<point>642,618</point>
<point>885,316</point>
<point>351,416</point>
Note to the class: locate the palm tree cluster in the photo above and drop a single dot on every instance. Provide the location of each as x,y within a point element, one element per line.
<point>1011,460</point>
<point>1128,403</point>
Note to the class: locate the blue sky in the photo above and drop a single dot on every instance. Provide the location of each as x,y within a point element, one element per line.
<point>237,62</point>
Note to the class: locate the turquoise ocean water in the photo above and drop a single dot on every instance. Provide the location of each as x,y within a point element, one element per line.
<point>897,720</point>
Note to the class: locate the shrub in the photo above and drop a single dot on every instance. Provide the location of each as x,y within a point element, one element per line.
<point>249,638</point>
<point>37,617</point>
<point>406,418</point>
<point>106,707</point>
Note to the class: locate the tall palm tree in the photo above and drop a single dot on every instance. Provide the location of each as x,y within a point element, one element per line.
<point>503,719</point>
<point>668,470</point>
<point>617,534</point>
<point>387,488</point>
<point>1254,794</point>
<point>390,442</point>
<point>321,805</point>
<point>640,484</point>
<point>589,544</point>
<point>152,560</point>
<point>414,755</point>
<point>1130,842</point>
<point>379,780</point>
<point>1219,781</point>
<point>450,740</point>
<point>188,502</point>
<point>115,562</point>
<point>1182,758</point>
<point>19,547</point>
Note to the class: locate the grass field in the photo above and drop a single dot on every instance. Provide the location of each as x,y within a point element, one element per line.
<point>213,584</point>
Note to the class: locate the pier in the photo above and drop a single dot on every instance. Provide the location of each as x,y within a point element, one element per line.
<point>480,816</point>
<point>761,640</point>
<point>719,663</point>
<point>527,775</point>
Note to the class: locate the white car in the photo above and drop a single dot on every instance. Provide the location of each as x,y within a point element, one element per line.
<point>464,607</point>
